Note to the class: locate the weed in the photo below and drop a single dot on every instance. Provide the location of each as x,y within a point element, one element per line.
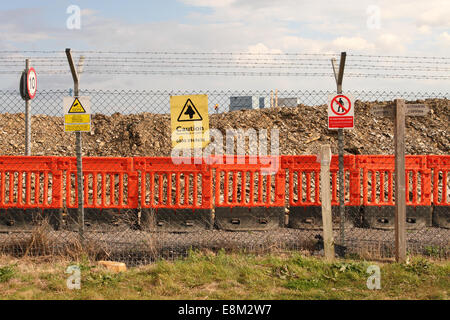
<point>418,266</point>
<point>103,279</point>
<point>304,284</point>
<point>6,273</point>
<point>355,267</point>
<point>284,272</point>
<point>434,251</point>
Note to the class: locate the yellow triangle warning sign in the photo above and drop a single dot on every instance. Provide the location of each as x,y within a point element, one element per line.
<point>189,112</point>
<point>76,107</point>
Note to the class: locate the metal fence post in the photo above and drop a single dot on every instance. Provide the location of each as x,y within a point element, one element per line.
<point>27,117</point>
<point>78,146</point>
<point>339,78</point>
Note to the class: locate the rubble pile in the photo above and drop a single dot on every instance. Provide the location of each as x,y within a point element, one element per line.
<point>302,130</point>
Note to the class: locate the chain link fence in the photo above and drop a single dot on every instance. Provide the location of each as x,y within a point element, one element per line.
<point>141,207</point>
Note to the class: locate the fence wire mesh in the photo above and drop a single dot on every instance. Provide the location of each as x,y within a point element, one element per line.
<point>139,206</point>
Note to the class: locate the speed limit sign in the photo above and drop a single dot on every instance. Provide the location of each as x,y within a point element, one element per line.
<point>31,83</point>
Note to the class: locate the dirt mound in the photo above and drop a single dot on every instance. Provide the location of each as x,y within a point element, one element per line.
<point>301,129</point>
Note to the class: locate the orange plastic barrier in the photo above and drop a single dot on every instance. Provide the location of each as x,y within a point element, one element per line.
<point>191,178</point>
<point>30,182</point>
<point>440,165</point>
<point>248,181</point>
<point>308,193</point>
<point>304,180</point>
<point>108,182</point>
<point>240,181</point>
<point>381,169</point>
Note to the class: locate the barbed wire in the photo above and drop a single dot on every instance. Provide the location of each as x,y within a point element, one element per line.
<point>244,66</point>
<point>211,60</point>
<point>274,64</point>
<point>236,64</point>
<point>242,73</point>
<point>222,53</point>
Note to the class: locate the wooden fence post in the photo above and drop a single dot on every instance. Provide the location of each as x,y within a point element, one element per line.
<point>325,198</point>
<point>400,191</point>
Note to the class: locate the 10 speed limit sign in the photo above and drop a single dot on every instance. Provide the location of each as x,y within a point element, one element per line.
<point>28,84</point>
<point>341,112</point>
<point>31,83</point>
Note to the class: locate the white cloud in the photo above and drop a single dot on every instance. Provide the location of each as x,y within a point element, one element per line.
<point>352,43</point>
<point>209,3</point>
<point>445,38</point>
<point>262,48</point>
<point>88,12</point>
<point>437,16</point>
<point>424,29</point>
<point>390,42</point>
<point>299,44</point>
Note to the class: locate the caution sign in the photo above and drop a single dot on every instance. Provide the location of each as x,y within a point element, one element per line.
<point>189,121</point>
<point>341,112</point>
<point>76,107</point>
<point>77,114</point>
<point>189,112</point>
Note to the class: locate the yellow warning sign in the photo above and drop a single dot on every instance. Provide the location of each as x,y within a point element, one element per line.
<point>76,107</point>
<point>77,114</point>
<point>77,118</point>
<point>189,121</point>
<point>77,127</point>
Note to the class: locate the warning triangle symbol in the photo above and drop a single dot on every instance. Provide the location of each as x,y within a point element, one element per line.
<point>76,107</point>
<point>189,112</point>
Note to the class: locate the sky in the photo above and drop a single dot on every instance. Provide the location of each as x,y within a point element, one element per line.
<point>376,27</point>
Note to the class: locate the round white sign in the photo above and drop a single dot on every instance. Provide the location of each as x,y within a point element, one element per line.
<point>31,83</point>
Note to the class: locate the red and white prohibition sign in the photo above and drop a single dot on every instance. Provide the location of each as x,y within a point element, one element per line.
<point>31,83</point>
<point>341,112</point>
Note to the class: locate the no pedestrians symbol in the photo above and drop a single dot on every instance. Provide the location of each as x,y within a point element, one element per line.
<point>340,112</point>
<point>340,105</point>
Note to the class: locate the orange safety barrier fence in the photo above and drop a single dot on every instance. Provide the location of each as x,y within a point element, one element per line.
<point>378,180</point>
<point>440,165</point>
<point>30,182</point>
<point>44,182</point>
<point>108,182</point>
<point>304,180</point>
<point>191,178</point>
<point>247,181</point>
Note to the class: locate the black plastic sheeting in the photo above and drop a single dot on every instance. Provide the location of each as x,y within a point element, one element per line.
<point>249,218</point>
<point>176,220</point>
<point>310,217</point>
<point>224,218</point>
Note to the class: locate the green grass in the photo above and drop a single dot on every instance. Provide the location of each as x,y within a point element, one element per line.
<point>227,276</point>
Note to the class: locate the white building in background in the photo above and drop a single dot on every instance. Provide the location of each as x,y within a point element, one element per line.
<point>248,102</point>
<point>288,102</point>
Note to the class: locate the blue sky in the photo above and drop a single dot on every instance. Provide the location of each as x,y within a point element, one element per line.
<point>130,11</point>
<point>413,27</point>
